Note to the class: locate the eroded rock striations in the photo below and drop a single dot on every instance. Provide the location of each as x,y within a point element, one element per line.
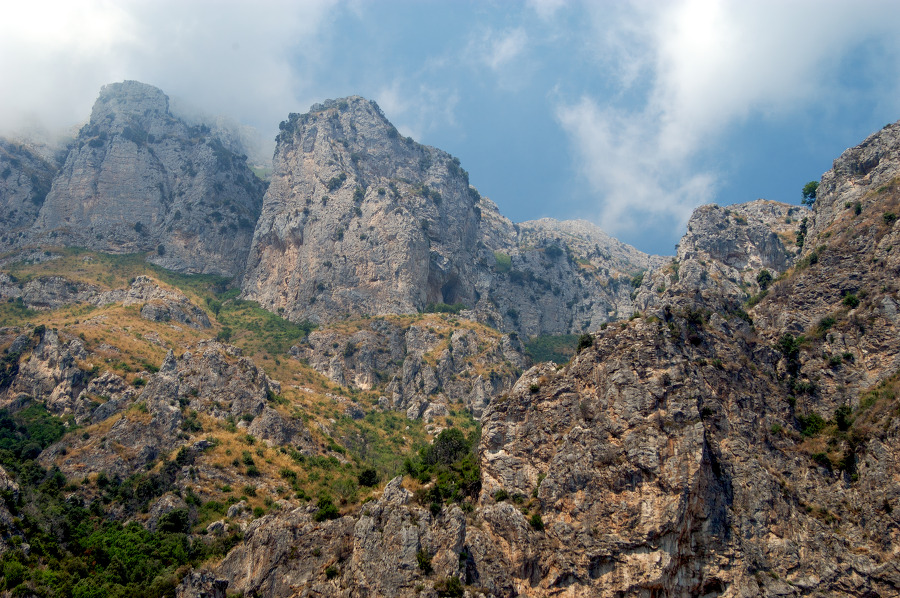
<point>140,180</point>
<point>25,179</point>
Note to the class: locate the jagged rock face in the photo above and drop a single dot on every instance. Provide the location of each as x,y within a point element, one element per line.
<point>359,220</point>
<point>140,180</point>
<point>667,459</point>
<point>723,252</point>
<point>562,277</point>
<point>753,235</point>
<point>860,175</point>
<point>25,179</point>
<point>147,423</point>
<point>372,555</point>
<point>157,304</point>
<point>51,374</point>
<point>427,370</point>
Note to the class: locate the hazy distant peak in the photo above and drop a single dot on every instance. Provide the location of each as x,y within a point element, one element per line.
<point>129,100</point>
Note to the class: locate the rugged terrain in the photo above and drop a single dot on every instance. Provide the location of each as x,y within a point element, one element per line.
<point>139,179</point>
<point>729,427</point>
<point>25,178</point>
<point>359,220</point>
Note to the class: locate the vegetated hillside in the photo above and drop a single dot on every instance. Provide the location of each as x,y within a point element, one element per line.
<point>120,402</point>
<point>138,179</point>
<point>736,435</point>
<point>359,220</point>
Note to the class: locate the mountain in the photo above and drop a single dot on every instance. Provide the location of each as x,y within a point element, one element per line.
<point>709,446</point>
<point>25,179</point>
<point>141,180</point>
<point>361,418</point>
<point>360,220</point>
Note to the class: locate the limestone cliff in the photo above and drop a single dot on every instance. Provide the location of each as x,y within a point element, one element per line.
<point>25,178</point>
<point>359,220</point>
<point>140,180</point>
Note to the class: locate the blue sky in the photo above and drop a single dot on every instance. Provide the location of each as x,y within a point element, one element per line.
<point>625,114</point>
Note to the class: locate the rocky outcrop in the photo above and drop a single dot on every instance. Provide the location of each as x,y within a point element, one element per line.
<point>374,553</point>
<point>359,220</point>
<point>157,420</point>
<point>51,375</point>
<point>140,180</point>
<point>694,450</point>
<point>201,584</point>
<point>424,367</point>
<point>724,252</point>
<point>157,304</point>
<point>25,178</point>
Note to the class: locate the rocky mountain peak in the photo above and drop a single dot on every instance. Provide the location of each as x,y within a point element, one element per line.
<point>872,165</point>
<point>360,220</point>
<point>139,179</point>
<point>129,102</point>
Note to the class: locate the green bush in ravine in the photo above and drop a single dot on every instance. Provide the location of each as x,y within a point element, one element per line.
<point>451,465</point>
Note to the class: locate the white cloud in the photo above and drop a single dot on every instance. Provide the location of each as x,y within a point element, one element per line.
<point>415,109</point>
<point>546,9</point>
<point>503,53</point>
<point>505,48</point>
<point>638,184</point>
<point>229,57</point>
<point>699,67</point>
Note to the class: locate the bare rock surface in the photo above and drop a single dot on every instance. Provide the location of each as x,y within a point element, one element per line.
<point>426,370</point>
<point>674,455</point>
<point>25,179</point>
<point>157,303</point>
<point>359,220</point>
<point>140,180</point>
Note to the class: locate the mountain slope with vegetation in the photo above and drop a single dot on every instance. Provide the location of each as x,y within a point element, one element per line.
<point>725,422</point>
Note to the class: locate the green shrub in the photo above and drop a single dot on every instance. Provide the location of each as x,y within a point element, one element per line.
<point>843,417</point>
<point>327,510</point>
<point>585,341</point>
<point>424,561</point>
<point>811,424</point>
<point>335,182</point>
<point>444,308</point>
<point>536,522</point>
<point>449,587</point>
<point>809,193</point>
<point>764,279</point>
<point>851,300</point>
<point>177,521</point>
<point>556,348</point>
<point>368,478</point>
<point>502,262</point>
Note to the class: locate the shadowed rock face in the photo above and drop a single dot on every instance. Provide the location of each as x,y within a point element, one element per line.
<point>140,180</point>
<point>25,179</point>
<point>359,220</point>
